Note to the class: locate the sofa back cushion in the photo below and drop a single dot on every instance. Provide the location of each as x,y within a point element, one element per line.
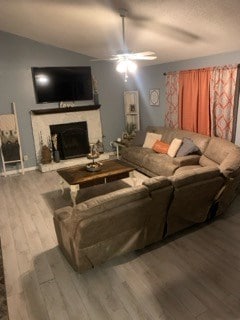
<point>168,134</point>
<point>218,149</point>
<point>224,154</point>
<point>108,201</point>
<point>106,216</point>
<point>193,196</point>
<point>195,175</point>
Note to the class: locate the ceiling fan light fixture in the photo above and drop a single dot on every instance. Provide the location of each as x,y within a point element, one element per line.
<point>125,66</point>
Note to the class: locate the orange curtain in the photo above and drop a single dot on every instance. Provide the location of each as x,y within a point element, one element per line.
<point>194,100</point>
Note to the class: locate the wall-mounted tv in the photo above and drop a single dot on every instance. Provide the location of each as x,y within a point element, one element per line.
<point>55,84</point>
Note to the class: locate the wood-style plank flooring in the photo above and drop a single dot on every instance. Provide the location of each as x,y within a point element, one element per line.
<point>192,276</point>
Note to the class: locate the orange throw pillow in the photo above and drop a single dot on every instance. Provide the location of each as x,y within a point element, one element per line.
<point>160,147</point>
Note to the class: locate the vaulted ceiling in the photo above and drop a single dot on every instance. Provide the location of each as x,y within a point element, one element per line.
<point>174,29</point>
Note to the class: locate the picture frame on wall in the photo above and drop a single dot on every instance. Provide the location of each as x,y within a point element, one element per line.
<point>154,97</point>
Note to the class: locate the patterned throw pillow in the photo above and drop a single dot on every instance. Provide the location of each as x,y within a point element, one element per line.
<point>160,147</point>
<point>151,139</point>
<point>187,147</point>
<point>174,147</point>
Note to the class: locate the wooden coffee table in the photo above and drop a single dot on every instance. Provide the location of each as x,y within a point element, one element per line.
<point>78,177</point>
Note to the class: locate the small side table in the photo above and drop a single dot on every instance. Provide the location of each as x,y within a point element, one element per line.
<point>118,145</point>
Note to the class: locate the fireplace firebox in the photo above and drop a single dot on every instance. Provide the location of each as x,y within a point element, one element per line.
<point>72,139</point>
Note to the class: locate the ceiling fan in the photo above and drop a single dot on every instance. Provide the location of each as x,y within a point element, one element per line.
<point>125,58</point>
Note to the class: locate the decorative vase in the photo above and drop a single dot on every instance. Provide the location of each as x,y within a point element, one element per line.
<point>95,98</point>
<point>45,155</point>
<point>56,156</point>
<point>100,147</point>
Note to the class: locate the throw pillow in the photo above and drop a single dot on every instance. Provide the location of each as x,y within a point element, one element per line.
<point>151,139</point>
<point>174,147</point>
<point>187,147</point>
<point>160,147</point>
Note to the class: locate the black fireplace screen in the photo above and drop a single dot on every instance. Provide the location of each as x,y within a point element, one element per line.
<point>72,139</point>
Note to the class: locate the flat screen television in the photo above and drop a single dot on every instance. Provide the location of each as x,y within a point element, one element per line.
<point>56,84</point>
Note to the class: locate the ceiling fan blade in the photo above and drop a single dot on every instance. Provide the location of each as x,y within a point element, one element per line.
<point>145,53</point>
<point>143,58</point>
<point>107,59</point>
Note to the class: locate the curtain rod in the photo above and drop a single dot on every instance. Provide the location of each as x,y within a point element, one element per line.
<point>215,67</point>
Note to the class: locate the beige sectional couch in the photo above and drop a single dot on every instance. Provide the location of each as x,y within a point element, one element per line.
<point>213,153</point>
<point>181,192</point>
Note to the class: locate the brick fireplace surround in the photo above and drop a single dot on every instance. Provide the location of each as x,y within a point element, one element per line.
<point>43,118</point>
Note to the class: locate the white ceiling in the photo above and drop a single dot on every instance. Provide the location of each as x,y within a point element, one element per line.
<point>174,29</point>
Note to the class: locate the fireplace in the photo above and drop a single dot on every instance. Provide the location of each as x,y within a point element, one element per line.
<point>72,139</point>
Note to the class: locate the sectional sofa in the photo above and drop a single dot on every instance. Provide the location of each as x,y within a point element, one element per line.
<point>213,152</point>
<point>176,195</point>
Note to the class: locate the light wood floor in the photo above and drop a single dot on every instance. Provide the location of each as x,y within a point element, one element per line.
<point>194,276</point>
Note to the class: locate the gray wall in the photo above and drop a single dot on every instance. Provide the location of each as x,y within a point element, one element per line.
<point>152,77</point>
<point>18,55</point>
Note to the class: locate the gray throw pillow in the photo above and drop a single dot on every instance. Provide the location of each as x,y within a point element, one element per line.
<point>187,147</point>
<point>139,138</point>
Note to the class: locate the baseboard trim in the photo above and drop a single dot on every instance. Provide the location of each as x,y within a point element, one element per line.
<point>18,171</point>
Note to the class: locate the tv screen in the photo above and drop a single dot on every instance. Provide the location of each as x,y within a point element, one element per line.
<point>56,84</point>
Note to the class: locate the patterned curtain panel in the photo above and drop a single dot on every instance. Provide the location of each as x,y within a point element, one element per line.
<point>222,92</point>
<point>172,90</point>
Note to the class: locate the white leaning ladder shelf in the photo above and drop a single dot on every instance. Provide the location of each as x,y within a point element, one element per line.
<point>8,122</point>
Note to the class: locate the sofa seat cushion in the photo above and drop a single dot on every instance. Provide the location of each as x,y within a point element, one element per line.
<point>192,159</point>
<point>187,169</point>
<point>206,162</point>
<point>136,155</point>
<point>159,164</point>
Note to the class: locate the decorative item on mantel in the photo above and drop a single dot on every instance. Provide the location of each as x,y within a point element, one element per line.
<point>56,155</point>
<point>95,91</point>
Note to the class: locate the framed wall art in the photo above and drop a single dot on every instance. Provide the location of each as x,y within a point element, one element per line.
<point>154,97</point>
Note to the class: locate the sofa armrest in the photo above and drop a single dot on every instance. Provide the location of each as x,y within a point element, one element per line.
<point>63,213</point>
<point>187,160</point>
<point>156,183</point>
<point>230,166</point>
